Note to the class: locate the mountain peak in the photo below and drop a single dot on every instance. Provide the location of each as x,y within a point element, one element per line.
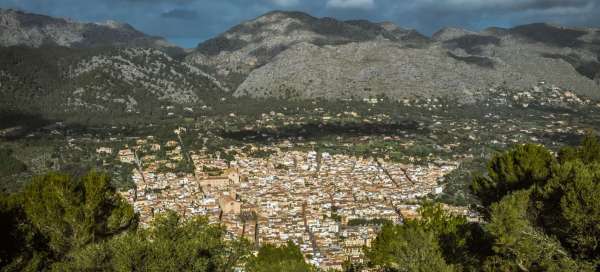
<point>450,33</point>
<point>550,34</point>
<point>287,13</point>
<point>256,42</point>
<point>116,25</point>
<point>35,30</point>
<point>390,26</point>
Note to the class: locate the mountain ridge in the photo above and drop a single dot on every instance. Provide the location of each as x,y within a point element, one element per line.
<point>35,30</point>
<point>518,57</point>
<point>286,55</point>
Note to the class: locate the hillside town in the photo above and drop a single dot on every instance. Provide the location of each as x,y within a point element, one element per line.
<point>330,203</point>
<point>318,200</point>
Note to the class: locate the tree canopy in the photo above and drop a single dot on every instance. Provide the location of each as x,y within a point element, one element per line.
<point>283,258</point>
<point>64,223</point>
<point>541,213</point>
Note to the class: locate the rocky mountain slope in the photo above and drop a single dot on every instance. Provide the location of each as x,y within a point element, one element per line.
<point>34,30</point>
<point>108,82</point>
<point>59,67</point>
<point>293,54</point>
<point>239,51</point>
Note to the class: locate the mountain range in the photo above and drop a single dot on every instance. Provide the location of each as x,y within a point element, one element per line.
<point>284,53</point>
<point>58,66</point>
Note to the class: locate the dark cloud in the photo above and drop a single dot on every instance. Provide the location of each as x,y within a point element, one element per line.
<point>202,19</point>
<point>183,14</point>
<point>504,5</point>
<point>549,4</point>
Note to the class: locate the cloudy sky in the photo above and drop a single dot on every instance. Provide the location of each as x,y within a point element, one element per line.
<point>188,22</point>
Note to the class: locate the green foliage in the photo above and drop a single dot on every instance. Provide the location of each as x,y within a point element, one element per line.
<point>365,222</point>
<point>170,244</point>
<point>57,215</point>
<point>407,247</point>
<point>550,221</point>
<point>456,188</point>
<point>212,171</point>
<point>18,238</point>
<point>543,214</point>
<point>419,151</point>
<point>71,213</point>
<point>260,153</point>
<point>519,168</point>
<point>458,243</point>
<point>570,207</point>
<point>462,243</point>
<point>589,151</point>
<point>519,245</point>
<point>287,258</point>
<point>9,165</point>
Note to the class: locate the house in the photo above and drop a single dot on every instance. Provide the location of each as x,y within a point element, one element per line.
<point>126,156</point>
<point>104,150</point>
<point>409,214</point>
<point>171,143</point>
<point>155,147</point>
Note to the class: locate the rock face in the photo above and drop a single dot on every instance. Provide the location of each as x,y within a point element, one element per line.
<point>33,30</point>
<point>294,54</point>
<point>239,51</point>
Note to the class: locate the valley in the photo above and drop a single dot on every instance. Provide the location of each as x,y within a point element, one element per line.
<point>289,127</point>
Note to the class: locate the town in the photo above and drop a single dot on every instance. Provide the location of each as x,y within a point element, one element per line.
<point>314,199</point>
<point>326,178</point>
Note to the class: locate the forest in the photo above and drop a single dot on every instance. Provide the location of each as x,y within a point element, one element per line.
<point>540,211</point>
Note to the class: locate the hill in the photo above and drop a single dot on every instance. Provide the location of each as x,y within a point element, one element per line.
<point>35,30</point>
<point>100,83</point>
<point>286,54</point>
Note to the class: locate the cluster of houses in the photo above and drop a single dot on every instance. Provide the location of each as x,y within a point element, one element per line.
<point>308,197</point>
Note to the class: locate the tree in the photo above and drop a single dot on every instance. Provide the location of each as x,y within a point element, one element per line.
<point>73,212</point>
<point>170,244</point>
<point>462,244</point>
<point>19,241</point>
<point>63,223</point>
<point>518,245</point>
<point>407,247</point>
<point>518,168</point>
<point>548,219</point>
<point>56,215</point>
<point>570,208</point>
<point>193,245</point>
<point>589,151</point>
<point>286,258</point>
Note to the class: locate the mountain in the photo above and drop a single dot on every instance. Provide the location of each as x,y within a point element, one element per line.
<point>34,30</point>
<point>242,49</point>
<point>66,69</point>
<point>285,54</point>
<point>65,83</point>
<point>94,71</point>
